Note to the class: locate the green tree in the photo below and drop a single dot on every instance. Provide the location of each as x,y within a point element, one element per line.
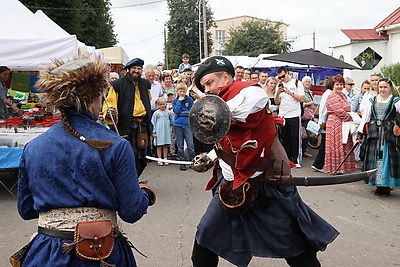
<point>392,72</point>
<point>89,20</point>
<point>254,37</point>
<point>183,31</point>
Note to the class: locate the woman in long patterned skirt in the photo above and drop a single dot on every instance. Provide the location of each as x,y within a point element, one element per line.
<point>382,142</point>
<point>338,112</point>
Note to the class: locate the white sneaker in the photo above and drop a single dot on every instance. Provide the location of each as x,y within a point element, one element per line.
<point>316,169</point>
<point>160,163</point>
<point>166,163</point>
<point>298,166</point>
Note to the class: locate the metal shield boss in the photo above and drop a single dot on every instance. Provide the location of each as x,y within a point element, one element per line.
<point>210,119</point>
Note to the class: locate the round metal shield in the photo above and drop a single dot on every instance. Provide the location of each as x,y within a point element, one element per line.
<point>210,119</point>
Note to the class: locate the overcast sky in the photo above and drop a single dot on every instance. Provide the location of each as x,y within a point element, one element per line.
<point>139,25</point>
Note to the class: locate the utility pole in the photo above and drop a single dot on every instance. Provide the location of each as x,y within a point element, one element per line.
<point>200,30</point>
<point>205,30</point>
<point>165,49</point>
<point>313,35</point>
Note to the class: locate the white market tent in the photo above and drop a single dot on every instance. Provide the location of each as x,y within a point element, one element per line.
<point>30,42</point>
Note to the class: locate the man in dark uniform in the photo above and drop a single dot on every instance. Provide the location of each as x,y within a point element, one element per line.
<point>128,101</point>
<point>273,221</point>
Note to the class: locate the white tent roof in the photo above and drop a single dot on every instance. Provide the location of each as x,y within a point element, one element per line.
<point>29,43</point>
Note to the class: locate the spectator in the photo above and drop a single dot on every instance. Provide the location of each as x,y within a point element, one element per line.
<point>319,162</point>
<point>185,63</point>
<point>263,76</point>
<point>167,83</point>
<point>348,89</point>
<point>254,77</point>
<point>246,74</point>
<point>162,121</point>
<point>338,112</point>
<point>308,115</point>
<point>374,78</point>
<point>239,73</point>
<point>5,102</point>
<point>114,76</point>
<point>182,105</point>
<point>382,146</point>
<point>356,100</point>
<point>289,95</point>
<point>171,95</point>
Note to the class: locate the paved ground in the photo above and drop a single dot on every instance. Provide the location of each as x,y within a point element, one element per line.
<point>369,225</point>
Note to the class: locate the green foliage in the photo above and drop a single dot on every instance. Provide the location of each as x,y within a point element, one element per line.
<point>392,72</point>
<point>89,20</point>
<point>183,31</point>
<point>253,38</point>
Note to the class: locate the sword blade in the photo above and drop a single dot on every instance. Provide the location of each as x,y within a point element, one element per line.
<point>331,180</point>
<point>347,156</point>
<point>169,161</point>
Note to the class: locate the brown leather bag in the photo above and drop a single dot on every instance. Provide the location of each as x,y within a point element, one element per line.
<point>94,240</point>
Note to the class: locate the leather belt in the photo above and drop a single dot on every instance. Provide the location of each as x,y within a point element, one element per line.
<point>139,119</point>
<point>56,233</point>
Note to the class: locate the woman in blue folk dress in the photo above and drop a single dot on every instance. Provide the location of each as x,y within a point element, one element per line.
<point>78,171</point>
<point>382,140</point>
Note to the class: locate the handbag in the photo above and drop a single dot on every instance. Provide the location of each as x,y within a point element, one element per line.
<point>308,113</point>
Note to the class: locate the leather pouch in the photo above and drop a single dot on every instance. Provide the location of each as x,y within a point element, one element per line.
<point>94,240</point>
<point>142,137</point>
<point>239,200</point>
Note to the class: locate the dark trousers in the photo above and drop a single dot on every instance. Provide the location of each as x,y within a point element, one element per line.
<point>291,138</point>
<point>203,257</point>
<point>320,158</point>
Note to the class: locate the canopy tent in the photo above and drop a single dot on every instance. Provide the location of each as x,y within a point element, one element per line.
<point>115,55</point>
<point>31,43</point>
<point>53,29</point>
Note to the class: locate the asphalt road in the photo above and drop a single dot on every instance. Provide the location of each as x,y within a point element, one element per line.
<point>369,225</point>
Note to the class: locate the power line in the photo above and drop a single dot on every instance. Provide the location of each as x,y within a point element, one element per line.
<point>94,8</point>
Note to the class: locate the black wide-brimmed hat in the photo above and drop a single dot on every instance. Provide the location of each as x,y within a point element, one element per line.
<point>134,62</point>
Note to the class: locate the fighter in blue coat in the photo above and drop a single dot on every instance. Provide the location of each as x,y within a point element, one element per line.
<point>78,171</point>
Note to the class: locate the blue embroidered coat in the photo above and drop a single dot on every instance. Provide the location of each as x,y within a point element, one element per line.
<point>58,170</point>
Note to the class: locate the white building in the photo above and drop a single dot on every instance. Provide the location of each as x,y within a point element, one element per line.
<point>370,49</point>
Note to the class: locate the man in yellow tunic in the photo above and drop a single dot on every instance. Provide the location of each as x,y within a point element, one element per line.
<point>128,101</point>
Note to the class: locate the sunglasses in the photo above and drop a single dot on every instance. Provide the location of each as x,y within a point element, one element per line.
<point>351,84</point>
<point>282,76</point>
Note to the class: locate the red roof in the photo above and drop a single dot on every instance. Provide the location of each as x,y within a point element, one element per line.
<point>364,34</point>
<point>392,19</point>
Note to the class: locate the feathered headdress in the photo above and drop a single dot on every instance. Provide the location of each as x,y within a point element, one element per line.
<point>75,83</point>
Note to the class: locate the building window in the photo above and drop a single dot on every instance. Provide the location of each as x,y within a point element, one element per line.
<point>368,59</point>
<point>219,41</point>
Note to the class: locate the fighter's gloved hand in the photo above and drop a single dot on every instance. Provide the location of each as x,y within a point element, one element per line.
<point>360,136</point>
<point>152,194</point>
<point>202,163</point>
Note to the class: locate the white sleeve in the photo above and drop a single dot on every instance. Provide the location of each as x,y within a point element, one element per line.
<point>365,101</point>
<point>397,105</point>
<point>299,89</point>
<point>252,100</point>
<point>366,116</point>
<point>323,113</point>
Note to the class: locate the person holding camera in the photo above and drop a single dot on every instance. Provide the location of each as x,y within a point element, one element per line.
<point>289,96</point>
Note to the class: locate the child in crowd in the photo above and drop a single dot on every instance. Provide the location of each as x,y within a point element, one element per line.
<point>162,120</point>
<point>185,63</point>
<point>181,106</point>
<point>171,95</point>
